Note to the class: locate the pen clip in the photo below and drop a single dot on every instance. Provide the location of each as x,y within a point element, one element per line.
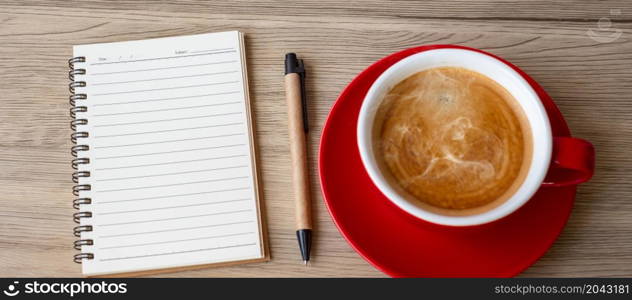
<point>295,65</point>
<point>301,73</point>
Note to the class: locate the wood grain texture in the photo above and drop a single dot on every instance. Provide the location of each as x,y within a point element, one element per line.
<point>591,82</point>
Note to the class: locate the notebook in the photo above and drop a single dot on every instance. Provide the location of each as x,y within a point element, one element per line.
<point>165,162</point>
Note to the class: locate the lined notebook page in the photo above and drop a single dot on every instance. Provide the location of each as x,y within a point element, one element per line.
<point>173,180</point>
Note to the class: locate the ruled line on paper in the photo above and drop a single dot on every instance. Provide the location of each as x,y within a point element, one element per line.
<point>172,173</point>
<point>164,89</point>
<point>169,141</point>
<point>228,50</point>
<point>171,184</point>
<point>169,152</point>
<point>172,162</point>
<point>168,130</point>
<point>208,50</point>
<point>176,252</point>
<point>167,120</point>
<point>171,207</point>
<point>168,99</point>
<point>177,218</point>
<point>177,241</point>
<point>173,196</point>
<point>174,229</point>
<point>163,78</point>
<point>163,68</point>
<point>158,110</point>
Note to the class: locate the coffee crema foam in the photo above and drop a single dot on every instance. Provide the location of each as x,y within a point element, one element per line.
<point>452,139</point>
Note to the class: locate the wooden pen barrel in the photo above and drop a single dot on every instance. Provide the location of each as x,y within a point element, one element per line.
<point>298,150</point>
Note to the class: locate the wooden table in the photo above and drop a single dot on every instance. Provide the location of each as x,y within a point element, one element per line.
<point>590,79</point>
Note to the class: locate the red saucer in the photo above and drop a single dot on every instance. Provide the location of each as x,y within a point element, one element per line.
<point>401,245</point>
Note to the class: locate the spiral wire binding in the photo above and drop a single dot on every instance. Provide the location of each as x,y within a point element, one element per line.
<point>76,98</point>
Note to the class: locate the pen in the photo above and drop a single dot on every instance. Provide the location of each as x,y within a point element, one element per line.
<point>298,127</point>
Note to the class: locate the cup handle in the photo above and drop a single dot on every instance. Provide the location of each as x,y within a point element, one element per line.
<point>572,162</point>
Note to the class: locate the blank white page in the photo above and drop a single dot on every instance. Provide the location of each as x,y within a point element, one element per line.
<point>172,173</point>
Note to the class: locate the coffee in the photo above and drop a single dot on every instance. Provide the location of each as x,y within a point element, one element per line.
<point>452,140</point>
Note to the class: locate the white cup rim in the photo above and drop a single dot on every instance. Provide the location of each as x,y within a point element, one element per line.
<point>490,66</point>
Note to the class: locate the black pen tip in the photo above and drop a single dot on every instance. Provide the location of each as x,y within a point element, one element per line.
<point>304,237</point>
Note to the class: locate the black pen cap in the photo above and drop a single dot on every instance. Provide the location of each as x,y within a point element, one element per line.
<point>293,64</point>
